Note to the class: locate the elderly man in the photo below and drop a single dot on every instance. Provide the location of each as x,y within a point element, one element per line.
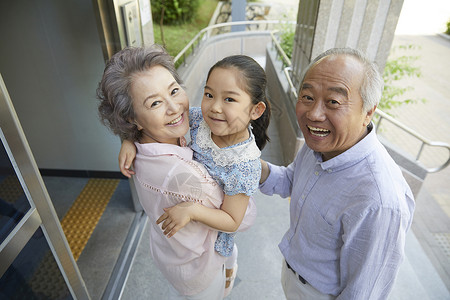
<point>350,206</point>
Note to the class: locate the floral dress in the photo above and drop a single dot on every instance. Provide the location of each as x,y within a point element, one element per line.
<point>236,168</point>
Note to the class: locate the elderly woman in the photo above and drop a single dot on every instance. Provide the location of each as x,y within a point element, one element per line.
<point>141,99</point>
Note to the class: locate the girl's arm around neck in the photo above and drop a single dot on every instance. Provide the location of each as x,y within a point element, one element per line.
<point>227,219</point>
<point>126,157</point>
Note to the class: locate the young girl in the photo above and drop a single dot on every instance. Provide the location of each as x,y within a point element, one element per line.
<point>226,137</point>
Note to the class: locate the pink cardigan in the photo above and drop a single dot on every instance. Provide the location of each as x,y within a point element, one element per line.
<point>165,176</point>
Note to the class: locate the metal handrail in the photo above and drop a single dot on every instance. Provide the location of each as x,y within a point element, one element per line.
<point>206,32</point>
<point>280,51</point>
<point>382,115</point>
<point>289,79</point>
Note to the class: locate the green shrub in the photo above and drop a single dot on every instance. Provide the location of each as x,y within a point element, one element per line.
<point>176,12</point>
<point>286,38</point>
<point>287,41</point>
<point>448,28</point>
<point>394,70</point>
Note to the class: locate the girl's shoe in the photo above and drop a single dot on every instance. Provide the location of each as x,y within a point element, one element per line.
<point>230,281</point>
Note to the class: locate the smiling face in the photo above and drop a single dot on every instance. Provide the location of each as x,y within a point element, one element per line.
<point>330,108</point>
<point>161,106</point>
<point>227,108</point>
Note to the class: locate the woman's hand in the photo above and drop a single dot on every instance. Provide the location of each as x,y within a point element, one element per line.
<point>126,157</point>
<point>176,217</point>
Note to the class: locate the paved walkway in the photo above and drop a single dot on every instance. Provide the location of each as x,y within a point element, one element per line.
<point>431,119</point>
<point>420,24</point>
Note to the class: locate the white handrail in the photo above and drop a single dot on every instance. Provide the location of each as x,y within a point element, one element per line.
<point>280,51</point>
<point>382,115</point>
<point>208,29</point>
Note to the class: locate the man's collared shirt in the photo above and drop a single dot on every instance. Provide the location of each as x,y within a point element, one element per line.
<point>348,218</point>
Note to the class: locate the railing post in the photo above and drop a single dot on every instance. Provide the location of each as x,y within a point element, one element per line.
<point>378,124</point>
<point>420,151</point>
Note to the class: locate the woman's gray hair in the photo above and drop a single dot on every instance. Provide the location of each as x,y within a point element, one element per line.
<point>372,85</point>
<point>116,105</point>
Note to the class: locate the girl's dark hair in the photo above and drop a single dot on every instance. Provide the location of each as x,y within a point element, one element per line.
<point>254,82</point>
<point>116,105</point>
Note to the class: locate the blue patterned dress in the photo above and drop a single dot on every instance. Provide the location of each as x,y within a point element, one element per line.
<point>236,168</point>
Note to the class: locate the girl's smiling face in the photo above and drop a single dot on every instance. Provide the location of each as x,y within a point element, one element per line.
<point>161,106</point>
<point>227,108</point>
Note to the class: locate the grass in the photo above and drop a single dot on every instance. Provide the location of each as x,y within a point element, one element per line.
<point>178,36</point>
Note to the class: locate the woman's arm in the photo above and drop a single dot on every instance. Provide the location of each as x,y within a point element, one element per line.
<point>126,157</point>
<point>227,219</point>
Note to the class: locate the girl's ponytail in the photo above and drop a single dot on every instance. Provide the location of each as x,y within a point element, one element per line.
<point>260,126</point>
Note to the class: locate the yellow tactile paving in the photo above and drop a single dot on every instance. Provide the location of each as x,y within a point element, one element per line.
<point>81,219</point>
<point>47,280</point>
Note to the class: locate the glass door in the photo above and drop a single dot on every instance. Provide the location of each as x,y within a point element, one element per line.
<point>35,258</point>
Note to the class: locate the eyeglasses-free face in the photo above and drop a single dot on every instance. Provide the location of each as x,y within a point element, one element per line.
<point>161,106</point>
<point>330,108</point>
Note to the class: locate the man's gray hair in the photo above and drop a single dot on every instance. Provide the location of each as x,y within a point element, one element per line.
<point>372,85</point>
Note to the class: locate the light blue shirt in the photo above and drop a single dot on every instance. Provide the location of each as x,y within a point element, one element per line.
<point>348,219</point>
<point>236,168</point>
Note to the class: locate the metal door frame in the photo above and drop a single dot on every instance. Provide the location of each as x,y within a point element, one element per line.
<point>42,212</point>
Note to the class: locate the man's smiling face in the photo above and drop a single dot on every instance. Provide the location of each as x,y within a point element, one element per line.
<point>330,108</point>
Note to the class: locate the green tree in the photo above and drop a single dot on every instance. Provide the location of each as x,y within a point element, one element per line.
<point>174,11</point>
